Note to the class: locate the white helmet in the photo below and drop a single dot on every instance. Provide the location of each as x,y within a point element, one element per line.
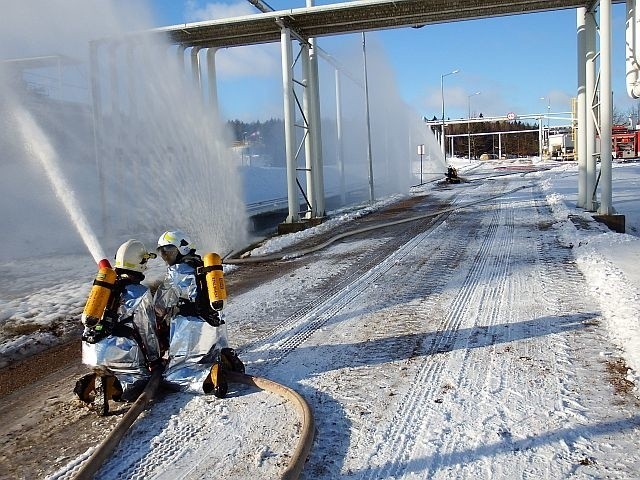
<point>132,255</point>
<point>178,239</point>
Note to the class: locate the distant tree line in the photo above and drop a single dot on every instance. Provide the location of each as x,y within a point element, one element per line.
<point>263,138</point>
<point>513,144</point>
<point>267,138</point>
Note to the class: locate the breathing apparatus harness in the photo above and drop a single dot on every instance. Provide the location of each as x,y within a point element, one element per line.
<point>98,328</point>
<point>207,304</point>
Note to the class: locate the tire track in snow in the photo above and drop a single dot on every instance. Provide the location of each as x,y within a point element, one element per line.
<point>472,374</point>
<point>184,436</point>
<point>416,405</point>
<point>291,333</point>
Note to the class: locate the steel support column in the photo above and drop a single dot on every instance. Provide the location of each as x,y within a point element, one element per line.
<point>96,104</point>
<point>540,137</point>
<point>180,57</point>
<point>289,123</point>
<point>318,176</point>
<point>339,147</point>
<point>581,140</point>
<point>592,105</point>
<point>195,67</point>
<point>606,109</point>
<point>309,140</point>
<point>368,119</point>
<point>212,82</point>
<point>131,81</point>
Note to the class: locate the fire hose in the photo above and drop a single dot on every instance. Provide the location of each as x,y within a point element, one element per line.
<point>293,470</point>
<point>232,258</point>
<point>298,458</point>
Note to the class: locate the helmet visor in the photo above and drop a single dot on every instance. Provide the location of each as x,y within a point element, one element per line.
<point>169,253</point>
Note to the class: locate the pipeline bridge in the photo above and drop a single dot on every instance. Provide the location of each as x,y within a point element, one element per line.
<point>304,25</point>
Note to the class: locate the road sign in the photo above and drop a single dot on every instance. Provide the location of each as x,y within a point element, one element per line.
<point>511,116</point>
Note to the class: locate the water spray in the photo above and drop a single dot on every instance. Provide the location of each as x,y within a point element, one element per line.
<point>38,146</point>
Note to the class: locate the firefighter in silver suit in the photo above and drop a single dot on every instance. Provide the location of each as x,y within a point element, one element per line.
<point>123,348</point>
<point>197,333</point>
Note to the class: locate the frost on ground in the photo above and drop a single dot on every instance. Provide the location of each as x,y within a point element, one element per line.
<point>486,343</point>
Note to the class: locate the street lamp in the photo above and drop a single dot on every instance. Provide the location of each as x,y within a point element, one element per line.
<point>548,142</point>
<point>469,121</point>
<point>442,94</point>
<point>548,108</point>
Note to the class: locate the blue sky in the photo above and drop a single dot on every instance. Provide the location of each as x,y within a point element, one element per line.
<point>512,61</point>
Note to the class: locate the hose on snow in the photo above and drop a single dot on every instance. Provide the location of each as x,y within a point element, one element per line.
<point>307,427</point>
<point>298,458</point>
<point>108,445</point>
<point>231,260</point>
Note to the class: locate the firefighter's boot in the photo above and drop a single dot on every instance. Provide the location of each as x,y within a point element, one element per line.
<point>85,388</point>
<point>231,361</point>
<point>215,382</point>
<point>107,388</point>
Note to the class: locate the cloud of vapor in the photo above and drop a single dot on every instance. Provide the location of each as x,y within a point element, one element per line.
<point>156,159</point>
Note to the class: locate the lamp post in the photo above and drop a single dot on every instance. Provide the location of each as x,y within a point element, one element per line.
<point>469,122</point>
<point>548,108</point>
<point>444,143</point>
<point>548,115</point>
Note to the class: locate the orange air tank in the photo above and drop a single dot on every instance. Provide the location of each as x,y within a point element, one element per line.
<point>99,294</point>
<point>215,280</point>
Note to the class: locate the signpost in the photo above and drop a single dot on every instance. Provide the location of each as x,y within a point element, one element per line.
<point>421,153</point>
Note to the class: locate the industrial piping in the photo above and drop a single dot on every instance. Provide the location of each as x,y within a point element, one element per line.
<point>632,45</point>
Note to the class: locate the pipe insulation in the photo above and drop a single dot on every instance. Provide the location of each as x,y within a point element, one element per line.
<point>632,45</point>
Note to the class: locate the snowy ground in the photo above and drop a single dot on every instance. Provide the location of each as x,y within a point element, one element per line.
<point>492,342</point>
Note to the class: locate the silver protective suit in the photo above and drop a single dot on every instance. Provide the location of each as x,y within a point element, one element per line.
<point>122,356</point>
<point>193,343</point>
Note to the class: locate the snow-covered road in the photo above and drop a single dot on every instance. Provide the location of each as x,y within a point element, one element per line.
<point>463,346</point>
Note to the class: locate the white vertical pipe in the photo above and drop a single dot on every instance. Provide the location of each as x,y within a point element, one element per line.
<point>499,145</point>
<point>606,108</point>
<point>368,119</point>
<point>289,123</point>
<point>132,153</point>
<point>212,81</point>
<point>591,98</point>
<point>339,149</point>
<point>96,103</point>
<point>632,34</point>
<point>316,128</point>
<point>581,140</point>
<point>309,149</point>
<point>116,160</point>
<point>540,137</point>
<point>113,80</point>
<point>180,57</point>
<point>443,136</point>
<point>131,81</point>
<point>195,67</point>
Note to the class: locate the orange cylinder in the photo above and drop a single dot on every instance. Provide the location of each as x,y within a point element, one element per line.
<point>99,295</point>
<point>215,279</point>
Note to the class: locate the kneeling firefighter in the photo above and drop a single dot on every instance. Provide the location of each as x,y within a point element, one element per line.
<point>189,305</point>
<point>119,340</point>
